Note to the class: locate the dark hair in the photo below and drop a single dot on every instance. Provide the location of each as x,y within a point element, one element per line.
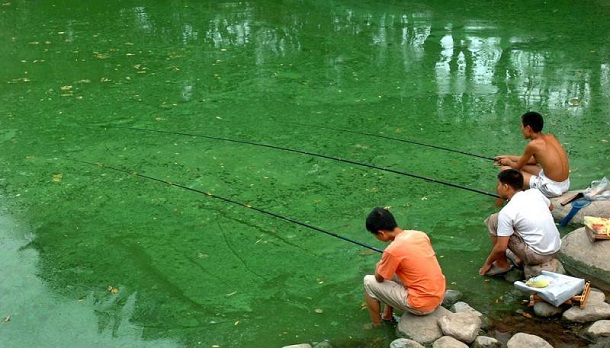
<point>512,178</point>
<point>534,120</point>
<point>380,219</point>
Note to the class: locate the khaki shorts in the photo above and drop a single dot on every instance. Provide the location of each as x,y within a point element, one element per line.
<point>517,245</point>
<point>391,292</point>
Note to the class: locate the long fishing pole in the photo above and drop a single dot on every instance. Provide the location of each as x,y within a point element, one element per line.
<point>362,164</point>
<point>228,200</point>
<point>399,139</point>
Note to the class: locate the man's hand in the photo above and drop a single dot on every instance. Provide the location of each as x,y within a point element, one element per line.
<point>484,270</point>
<point>501,161</point>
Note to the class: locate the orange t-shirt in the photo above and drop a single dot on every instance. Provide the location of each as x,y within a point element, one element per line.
<point>411,257</point>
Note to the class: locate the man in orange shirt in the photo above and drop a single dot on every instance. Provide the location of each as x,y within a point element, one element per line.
<point>408,276</point>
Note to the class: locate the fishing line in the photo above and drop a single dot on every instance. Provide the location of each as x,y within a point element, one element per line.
<point>362,164</point>
<point>228,200</point>
<point>399,139</point>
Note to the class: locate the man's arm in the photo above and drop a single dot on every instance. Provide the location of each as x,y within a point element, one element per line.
<point>497,252</point>
<point>511,160</point>
<point>527,157</point>
<point>378,276</point>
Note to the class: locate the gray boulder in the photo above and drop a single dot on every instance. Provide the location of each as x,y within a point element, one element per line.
<point>405,343</point>
<point>599,330</point>
<point>523,340</point>
<point>585,259</point>
<point>486,342</point>
<point>544,310</point>
<point>595,309</point>
<point>448,342</point>
<point>554,266</point>
<point>422,329</point>
<point>451,297</point>
<point>463,326</point>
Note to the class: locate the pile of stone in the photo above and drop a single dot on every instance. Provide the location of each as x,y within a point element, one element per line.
<point>463,326</point>
<point>457,325</point>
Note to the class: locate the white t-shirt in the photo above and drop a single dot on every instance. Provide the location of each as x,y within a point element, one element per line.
<point>528,215</point>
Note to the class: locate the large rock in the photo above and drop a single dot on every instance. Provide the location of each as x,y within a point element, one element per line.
<point>535,270</point>
<point>544,309</point>
<point>599,329</point>
<point>486,342</point>
<point>585,259</point>
<point>448,342</point>
<point>422,329</point>
<point>463,326</point>
<point>405,343</point>
<point>596,208</point>
<point>451,297</point>
<point>460,307</point>
<point>523,340</point>
<point>596,309</point>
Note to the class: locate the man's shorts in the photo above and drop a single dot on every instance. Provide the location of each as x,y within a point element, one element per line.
<point>517,245</point>
<point>391,292</point>
<point>548,187</point>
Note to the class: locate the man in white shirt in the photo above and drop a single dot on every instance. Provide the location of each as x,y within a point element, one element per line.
<point>524,226</point>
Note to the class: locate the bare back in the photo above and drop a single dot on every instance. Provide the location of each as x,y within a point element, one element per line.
<point>551,156</point>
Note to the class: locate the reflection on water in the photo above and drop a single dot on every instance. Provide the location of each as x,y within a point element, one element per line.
<point>34,316</point>
<point>475,57</point>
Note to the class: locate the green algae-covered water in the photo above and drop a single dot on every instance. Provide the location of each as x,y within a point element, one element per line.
<point>109,235</point>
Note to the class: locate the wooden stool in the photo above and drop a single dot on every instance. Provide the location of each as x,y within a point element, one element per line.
<point>581,299</point>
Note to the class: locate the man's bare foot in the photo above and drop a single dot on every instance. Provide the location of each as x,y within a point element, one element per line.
<point>388,313</point>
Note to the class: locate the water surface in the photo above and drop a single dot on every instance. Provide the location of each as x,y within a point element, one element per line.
<point>95,256</point>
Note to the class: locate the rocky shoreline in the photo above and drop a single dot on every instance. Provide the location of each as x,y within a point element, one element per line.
<point>457,325</point>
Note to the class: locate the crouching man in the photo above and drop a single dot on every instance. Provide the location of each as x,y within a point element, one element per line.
<point>408,276</point>
<point>523,231</point>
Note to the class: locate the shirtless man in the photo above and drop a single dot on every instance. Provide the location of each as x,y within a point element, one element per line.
<point>544,163</point>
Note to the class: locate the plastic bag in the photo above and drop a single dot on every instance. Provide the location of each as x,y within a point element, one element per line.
<point>599,190</point>
<point>560,287</point>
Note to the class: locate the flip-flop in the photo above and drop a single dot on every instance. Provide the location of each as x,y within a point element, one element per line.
<point>512,258</point>
<point>497,271</point>
<point>395,319</point>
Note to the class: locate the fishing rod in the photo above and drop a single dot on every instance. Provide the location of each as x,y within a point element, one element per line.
<point>362,164</point>
<point>228,200</point>
<point>399,139</point>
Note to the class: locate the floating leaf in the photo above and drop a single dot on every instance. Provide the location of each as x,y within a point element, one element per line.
<point>102,56</point>
<point>57,177</point>
<point>574,102</point>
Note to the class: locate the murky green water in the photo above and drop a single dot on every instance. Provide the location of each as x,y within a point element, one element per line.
<point>192,270</point>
